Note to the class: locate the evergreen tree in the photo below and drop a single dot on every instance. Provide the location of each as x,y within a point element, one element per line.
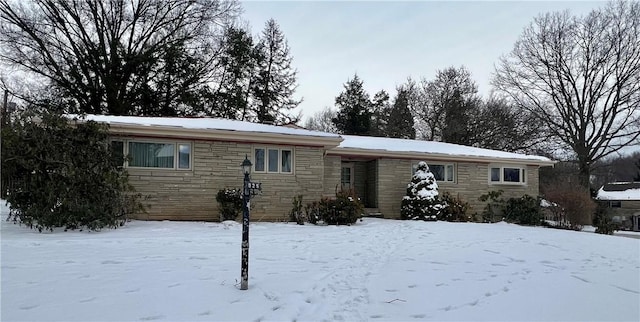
<point>64,175</point>
<point>422,201</point>
<point>354,109</point>
<point>457,119</point>
<point>400,121</point>
<point>275,80</point>
<point>637,177</point>
<point>380,109</point>
<point>238,65</point>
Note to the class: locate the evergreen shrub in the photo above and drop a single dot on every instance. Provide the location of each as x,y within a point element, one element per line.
<point>421,201</point>
<point>64,175</point>
<point>602,221</point>
<point>229,203</point>
<point>345,209</point>
<point>524,210</point>
<point>456,209</point>
<point>494,208</point>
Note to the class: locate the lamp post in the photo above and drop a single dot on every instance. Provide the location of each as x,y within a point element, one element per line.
<point>246,196</point>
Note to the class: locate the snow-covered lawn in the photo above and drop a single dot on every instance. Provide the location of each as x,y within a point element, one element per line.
<point>376,270</point>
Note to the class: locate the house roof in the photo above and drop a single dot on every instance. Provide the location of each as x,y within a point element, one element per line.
<point>212,128</point>
<point>232,130</point>
<point>619,191</point>
<point>376,146</point>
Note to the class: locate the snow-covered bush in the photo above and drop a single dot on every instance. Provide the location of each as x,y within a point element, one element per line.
<point>229,203</point>
<point>64,176</point>
<point>421,201</point>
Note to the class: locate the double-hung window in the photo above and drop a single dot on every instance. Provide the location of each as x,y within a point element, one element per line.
<point>159,155</point>
<point>442,172</point>
<point>273,160</point>
<point>507,175</point>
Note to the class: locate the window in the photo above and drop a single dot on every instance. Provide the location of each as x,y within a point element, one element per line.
<point>184,156</point>
<point>507,175</point>
<point>152,154</point>
<point>273,160</point>
<point>259,160</point>
<point>286,161</point>
<point>615,204</point>
<point>441,172</point>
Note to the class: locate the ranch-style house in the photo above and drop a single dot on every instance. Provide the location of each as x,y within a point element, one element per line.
<point>181,163</point>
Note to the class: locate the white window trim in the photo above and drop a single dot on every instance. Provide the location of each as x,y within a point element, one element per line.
<point>176,153</point>
<point>352,170</point>
<point>523,175</point>
<point>266,149</point>
<point>414,165</point>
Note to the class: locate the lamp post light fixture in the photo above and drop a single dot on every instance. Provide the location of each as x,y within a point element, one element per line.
<point>248,189</point>
<point>246,195</point>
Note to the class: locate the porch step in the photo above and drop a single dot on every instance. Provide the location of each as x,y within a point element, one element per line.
<point>373,212</point>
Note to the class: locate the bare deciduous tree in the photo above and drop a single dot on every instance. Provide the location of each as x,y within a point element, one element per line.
<point>451,92</point>
<point>322,121</point>
<point>580,76</point>
<point>498,125</point>
<point>103,53</point>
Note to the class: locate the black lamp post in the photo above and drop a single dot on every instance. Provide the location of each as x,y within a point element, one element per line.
<point>246,196</point>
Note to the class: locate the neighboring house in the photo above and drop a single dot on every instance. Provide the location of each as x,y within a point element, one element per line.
<point>623,201</point>
<point>181,163</point>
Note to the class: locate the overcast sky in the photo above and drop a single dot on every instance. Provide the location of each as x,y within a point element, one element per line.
<point>386,42</point>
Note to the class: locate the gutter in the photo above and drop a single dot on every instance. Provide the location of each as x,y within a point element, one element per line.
<point>434,156</point>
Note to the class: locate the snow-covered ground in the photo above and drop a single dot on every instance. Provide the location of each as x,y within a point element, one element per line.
<point>377,270</point>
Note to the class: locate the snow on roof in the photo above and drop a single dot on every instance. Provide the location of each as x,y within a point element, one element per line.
<point>620,191</point>
<point>203,123</point>
<point>402,145</point>
<point>349,141</point>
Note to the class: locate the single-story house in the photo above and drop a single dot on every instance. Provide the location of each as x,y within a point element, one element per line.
<point>181,163</point>
<point>623,201</point>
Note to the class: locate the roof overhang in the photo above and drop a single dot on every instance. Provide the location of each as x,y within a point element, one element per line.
<point>164,131</point>
<point>355,152</point>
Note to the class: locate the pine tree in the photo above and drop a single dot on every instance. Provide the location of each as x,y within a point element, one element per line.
<point>457,119</point>
<point>238,64</point>
<point>400,121</point>
<point>354,109</point>
<point>637,177</point>
<point>422,201</point>
<point>380,109</point>
<point>275,81</point>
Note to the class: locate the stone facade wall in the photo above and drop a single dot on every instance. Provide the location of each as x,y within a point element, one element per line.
<point>190,194</point>
<point>470,183</point>
<point>332,168</point>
